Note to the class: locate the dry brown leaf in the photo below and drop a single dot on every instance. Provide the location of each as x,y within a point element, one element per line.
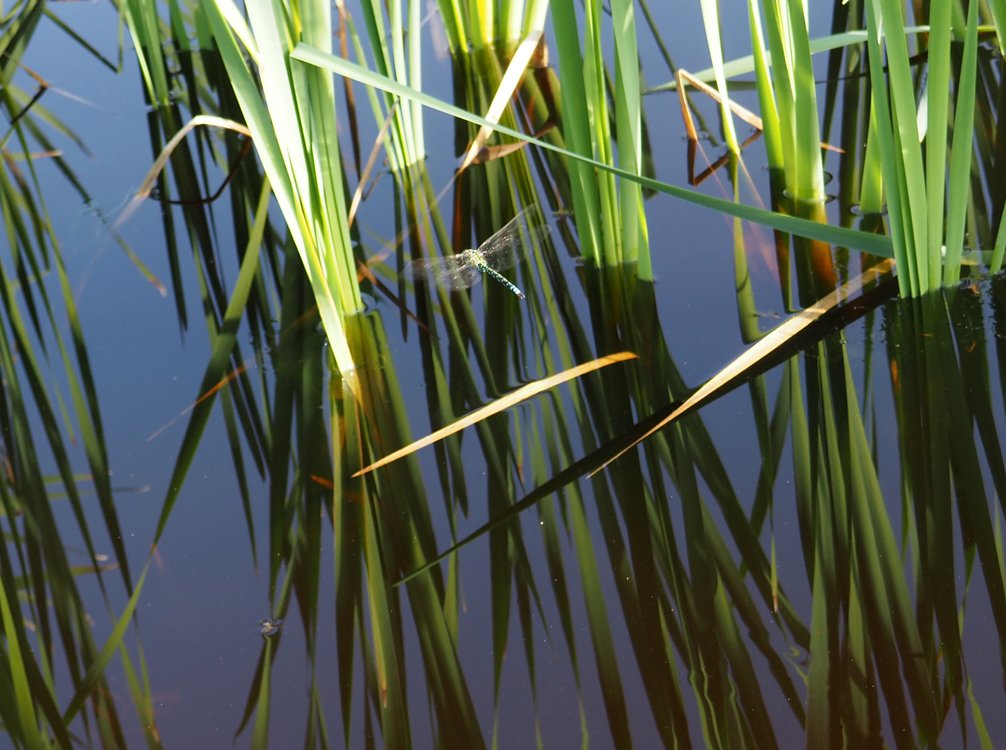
<point>501,404</point>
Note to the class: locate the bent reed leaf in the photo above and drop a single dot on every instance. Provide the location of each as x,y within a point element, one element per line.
<point>501,404</point>
<point>162,159</point>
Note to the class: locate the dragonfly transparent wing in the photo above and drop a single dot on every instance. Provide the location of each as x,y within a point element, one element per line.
<point>501,251</point>
<point>453,272</point>
<point>514,241</point>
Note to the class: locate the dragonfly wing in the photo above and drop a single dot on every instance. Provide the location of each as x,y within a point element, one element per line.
<point>452,272</point>
<point>514,241</point>
<point>462,277</point>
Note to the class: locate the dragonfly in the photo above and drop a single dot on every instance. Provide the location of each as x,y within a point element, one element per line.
<point>270,627</point>
<point>501,251</point>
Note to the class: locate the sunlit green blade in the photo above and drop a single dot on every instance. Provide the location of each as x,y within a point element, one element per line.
<point>711,25</point>
<point>937,124</point>
<point>297,144</point>
<point>959,188</point>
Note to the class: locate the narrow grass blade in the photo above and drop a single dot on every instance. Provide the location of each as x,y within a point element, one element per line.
<point>28,729</point>
<point>959,188</point>
<point>96,669</point>
<point>711,24</point>
<point>996,264</point>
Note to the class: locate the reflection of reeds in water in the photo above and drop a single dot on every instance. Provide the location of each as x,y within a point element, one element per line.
<point>685,596</point>
<point>687,586</point>
<point>52,686</point>
<point>874,664</point>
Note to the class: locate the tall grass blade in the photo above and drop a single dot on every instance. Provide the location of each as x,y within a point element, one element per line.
<point>711,24</point>
<point>960,155</point>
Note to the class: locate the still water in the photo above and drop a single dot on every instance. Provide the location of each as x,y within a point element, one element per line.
<point>815,555</point>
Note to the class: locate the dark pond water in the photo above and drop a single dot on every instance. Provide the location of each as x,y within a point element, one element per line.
<point>629,605</point>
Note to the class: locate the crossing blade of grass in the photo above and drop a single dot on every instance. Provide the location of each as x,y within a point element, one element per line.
<point>499,405</point>
<point>842,236</point>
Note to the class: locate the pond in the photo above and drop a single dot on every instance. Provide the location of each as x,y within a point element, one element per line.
<point>811,552</point>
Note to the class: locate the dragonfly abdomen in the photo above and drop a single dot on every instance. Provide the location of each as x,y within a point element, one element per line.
<point>501,279</point>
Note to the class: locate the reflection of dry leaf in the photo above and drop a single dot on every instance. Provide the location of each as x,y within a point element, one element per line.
<point>369,166</point>
<point>771,343</point>
<point>501,404</point>
<point>490,153</point>
<point>683,77</point>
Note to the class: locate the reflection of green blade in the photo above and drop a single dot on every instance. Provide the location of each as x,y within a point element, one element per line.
<point>503,250</point>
